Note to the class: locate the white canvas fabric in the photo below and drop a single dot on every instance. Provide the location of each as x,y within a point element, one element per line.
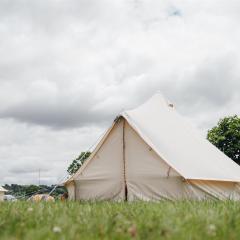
<point>152,153</point>
<point>2,192</point>
<point>71,190</point>
<point>2,189</point>
<point>102,177</point>
<point>218,189</point>
<point>179,144</point>
<point>148,176</point>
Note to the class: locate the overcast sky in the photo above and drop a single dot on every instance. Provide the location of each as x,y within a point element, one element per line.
<point>67,67</point>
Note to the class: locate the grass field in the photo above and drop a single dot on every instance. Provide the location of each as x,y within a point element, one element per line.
<point>104,220</point>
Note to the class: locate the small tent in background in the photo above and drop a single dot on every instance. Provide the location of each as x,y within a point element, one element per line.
<point>153,153</point>
<point>2,192</point>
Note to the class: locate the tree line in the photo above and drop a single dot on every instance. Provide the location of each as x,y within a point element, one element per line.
<point>25,191</point>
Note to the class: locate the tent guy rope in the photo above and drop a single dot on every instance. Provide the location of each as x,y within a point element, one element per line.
<point>66,176</point>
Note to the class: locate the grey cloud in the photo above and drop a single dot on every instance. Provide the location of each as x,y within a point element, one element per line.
<point>214,82</point>
<point>210,86</point>
<point>59,115</point>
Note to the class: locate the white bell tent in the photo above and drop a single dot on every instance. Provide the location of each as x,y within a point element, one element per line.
<point>153,153</point>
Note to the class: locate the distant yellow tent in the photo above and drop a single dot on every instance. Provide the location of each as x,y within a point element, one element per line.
<point>153,153</point>
<point>41,197</point>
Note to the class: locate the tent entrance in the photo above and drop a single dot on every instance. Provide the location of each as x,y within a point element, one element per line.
<point>124,164</point>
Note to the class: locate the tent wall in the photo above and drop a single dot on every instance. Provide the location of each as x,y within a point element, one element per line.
<point>148,176</point>
<point>218,189</point>
<point>1,196</point>
<point>102,177</point>
<point>71,190</point>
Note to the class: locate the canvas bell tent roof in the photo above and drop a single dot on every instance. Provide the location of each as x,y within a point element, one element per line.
<point>2,189</point>
<point>152,153</point>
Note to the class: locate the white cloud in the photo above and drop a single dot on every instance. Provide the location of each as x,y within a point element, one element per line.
<point>68,67</point>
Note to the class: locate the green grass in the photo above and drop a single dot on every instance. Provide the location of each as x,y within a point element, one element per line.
<point>107,220</point>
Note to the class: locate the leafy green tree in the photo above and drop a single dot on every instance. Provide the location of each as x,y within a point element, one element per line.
<point>31,189</point>
<point>226,137</point>
<point>78,162</point>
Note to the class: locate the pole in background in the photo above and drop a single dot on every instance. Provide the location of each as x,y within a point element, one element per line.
<point>39,176</point>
